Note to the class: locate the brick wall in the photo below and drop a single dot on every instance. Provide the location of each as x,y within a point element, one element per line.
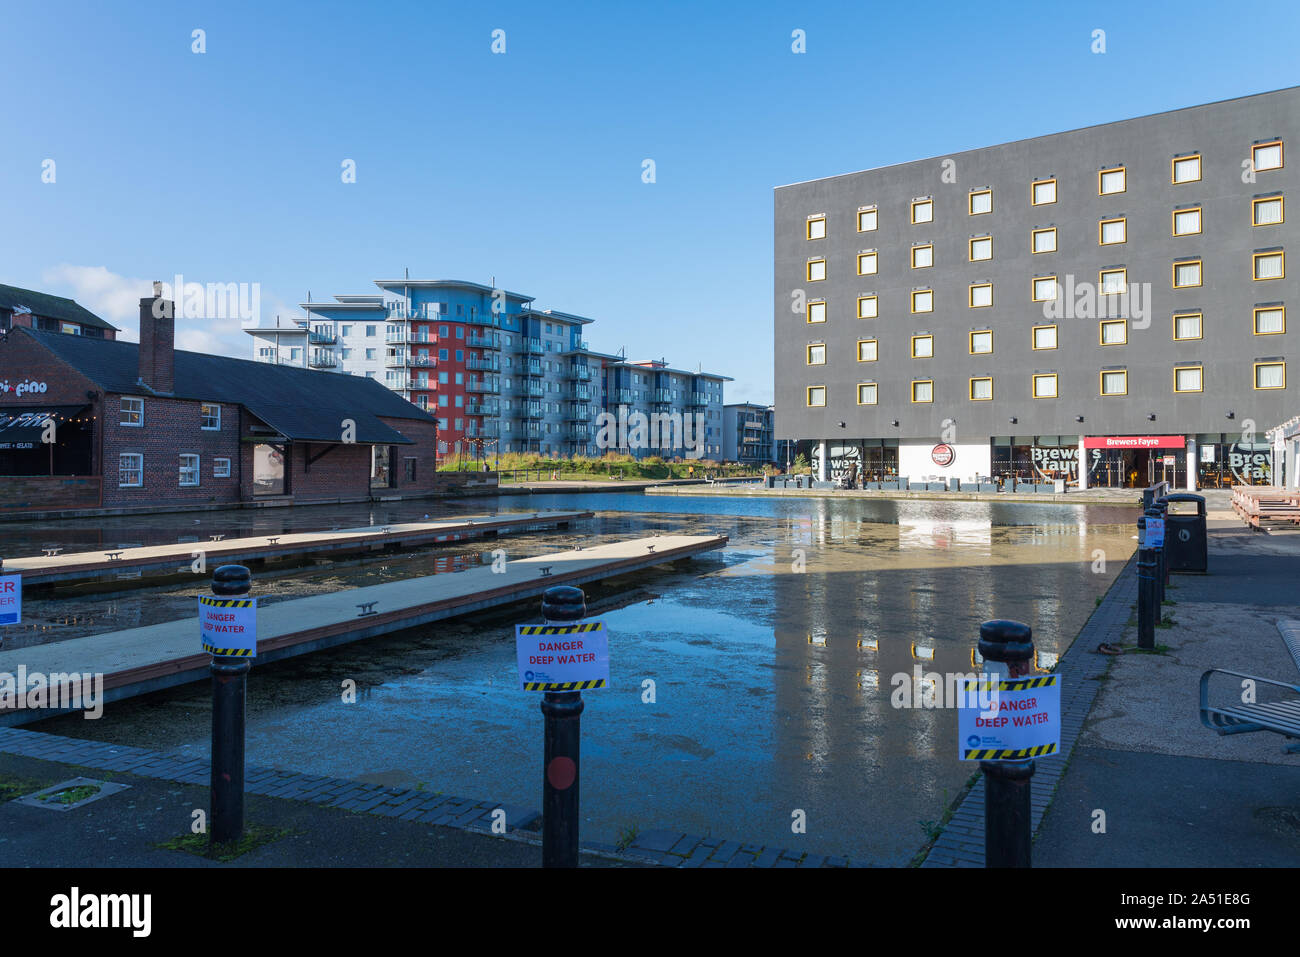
<point>425,436</point>
<point>46,492</point>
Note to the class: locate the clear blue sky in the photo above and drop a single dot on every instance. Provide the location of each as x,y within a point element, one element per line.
<point>526,166</point>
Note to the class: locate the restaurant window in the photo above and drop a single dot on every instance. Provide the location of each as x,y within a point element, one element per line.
<point>132,412</point>
<point>130,470</point>
<point>210,416</point>
<point>189,470</point>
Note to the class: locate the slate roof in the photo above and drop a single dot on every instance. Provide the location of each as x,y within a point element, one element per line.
<point>301,404</point>
<point>52,307</point>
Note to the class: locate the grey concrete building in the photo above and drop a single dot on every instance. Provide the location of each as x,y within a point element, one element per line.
<point>747,434</point>
<point>1115,295</point>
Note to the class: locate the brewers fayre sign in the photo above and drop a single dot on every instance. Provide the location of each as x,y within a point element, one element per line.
<point>1134,442</point>
<point>943,455</point>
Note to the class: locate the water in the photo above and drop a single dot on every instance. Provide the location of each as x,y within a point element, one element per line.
<point>771,663</point>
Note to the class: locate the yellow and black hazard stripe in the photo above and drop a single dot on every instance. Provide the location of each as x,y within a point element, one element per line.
<point>1017,684</point>
<point>1007,754</point>
<point>227,602</point>
<point>228,652</point>
<point>560,629</point>
<point>563,685</point>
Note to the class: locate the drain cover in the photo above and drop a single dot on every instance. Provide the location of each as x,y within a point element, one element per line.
<point>71,794</point>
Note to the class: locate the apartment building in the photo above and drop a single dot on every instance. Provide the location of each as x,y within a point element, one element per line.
<point>1114,296</point>
<point>747,430</point>
<point>499,374</point>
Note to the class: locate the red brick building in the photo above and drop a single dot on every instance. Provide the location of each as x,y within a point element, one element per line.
<point>96,423</point>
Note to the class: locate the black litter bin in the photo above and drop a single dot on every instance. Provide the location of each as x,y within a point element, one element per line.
<point>1185,536</point>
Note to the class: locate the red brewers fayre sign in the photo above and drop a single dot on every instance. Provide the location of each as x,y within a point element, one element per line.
<point>228,626</point>
<point>942,455</point>
<point>11,599</point>
<point>573,656</point>
<point>1134,442</point>
<point>1020,718</point>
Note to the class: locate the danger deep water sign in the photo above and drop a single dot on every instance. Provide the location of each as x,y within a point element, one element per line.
<point>564,657</point>
<point>1023,720</point>
<point>11,599</point>
<point>228,626</point>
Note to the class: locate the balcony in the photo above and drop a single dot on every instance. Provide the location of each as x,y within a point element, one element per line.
<point>322,338</point>
<point>533,368</point>
<point>488,430</point>
<point>662,396</point>
<point>532,430</point>
<point>533,346</point>
<point>579,433</point>
<point>581,393</point>
<point>581,373</point>
<point>491,386</point>
<point>398,361</point>
<point>532,389</point>
<point>484,340</point>
<point>483,408</point>
<point>698,399</point>
<point>323,360</point>
<point>579,412</point>
<point>531,410</point>
<point>620,396</point>
<point>754,424</point>
<point>483,365</point>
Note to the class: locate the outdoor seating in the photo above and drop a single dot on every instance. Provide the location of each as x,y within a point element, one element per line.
<point>1280,717</point>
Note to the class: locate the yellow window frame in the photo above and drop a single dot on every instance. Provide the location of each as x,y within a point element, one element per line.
<point>1173,169</point>
<point>922,202</point>
<point>1112,169</point>
<point>1281,153</point>
<point>1033,288</point>
<point>1101,231</point>
<point>921,292</point>
<point>970,295</point>
<point>1200,369</point>
<point>1200,220</point>
<point>1101,281</point>
<point>916,338</point>
<point>872,299</point>
<point>915,383</point>
<point>809,397</point>
<point>981,378</point>
<point>809,310</point>
<point>1033,190</point>
<point>1056,385</point>
<point>970,202</point>
<point>1101,382</point>
<point>1033,233</point>
<point>1255,376</point>
<point>872,385</point>
<point>863,342</point>
<point>1254,320</point>
<point>874,256</point>
<point>1185,315</point>
<point>1101,332</point>
<point>809,271</point>
<point>1254,265</point>
<point>970,343</point>
<point>970,249</point>
<point>915,249</point>
<point>809,228</point>
<point>811,347</point>
<point>1254,205</point>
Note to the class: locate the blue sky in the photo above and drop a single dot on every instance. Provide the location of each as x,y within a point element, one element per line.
<point>527,165</point>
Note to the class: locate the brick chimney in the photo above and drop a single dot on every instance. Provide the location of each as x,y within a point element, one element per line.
<point>158,342</point>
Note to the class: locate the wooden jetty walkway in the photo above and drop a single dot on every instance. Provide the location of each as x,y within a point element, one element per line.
<point>140,660</point>
<point>56,567</point>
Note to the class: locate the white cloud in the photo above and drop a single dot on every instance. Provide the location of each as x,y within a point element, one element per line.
<point>106,294</point>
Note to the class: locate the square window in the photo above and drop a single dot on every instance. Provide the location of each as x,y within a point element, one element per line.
<point>221,468</point>
<point>1187,169</point>
<point>923,300</point>
<point>1270,375</point>
<point>1187,325</point>
<point>1114,383</point>
<point>189,470</point>
<point>1044,337</point>
<point>1187,379</point>
<point>1114,332</point>
<point>132,412</point>
<point>922,347</point>
<point>1111,232</point>
<point>1187,222</point>
<point>1044,289</point>
<point>922,257</point>
<point>981,295</point>
<point>1270,320</point>
<point>1113,281</point>
<point>817,311</point>
<point>816,270</point>
<point>867,393</point>
<point>981,248</point>
<point>922,211</point>
<point>130,470</point>
<point>1269,265</point>
<point>868,350</point>
<point>1266,156</point>
<point>1267,211</point>
<point>1043,192</point>
<point>981,341</point>
<point>817,354</point>
<point>981,389</point>
<point>1043,240</point>
<point>1187,273</point>
<point>981,201</point>
<point>817,227</point>
<point>868,307</point>
<point>1045,385</point>
<point>816,395</point>
<point>1111,181</point>
<point>866,220</point>
<point>209,417</point>
<point>922,390</point>
<point>868,263</point>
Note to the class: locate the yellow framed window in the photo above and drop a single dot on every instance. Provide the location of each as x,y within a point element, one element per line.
<point>922,390</point>
<point>981,389</point>
<point>1187,325</point>
<point>1269,265</point>
<point>868,350</point>
<point>922,211</point>
<point>923,347</point>
<point>1187,222</point>
<point>867,219</point>
<point>817,227</point>
<point>981,295</point>
<point>1042,192</point>
<point>981,342</point>
<point>817,354</point>
<point>1188,379</point>
<point>981,201</point>
<point>1045,386</point>
<point>981,248</point>
<point>1269,320</point>
<point>1113,180</point>
<point>868,307</point>
<point>1113,282</point>
<point>1114,382</point>
<point>816,396</point>
<point>817,311</point>
<point>922,300</point>
<point>1266,156</point>
<point>868,393</point>
<point>1043,240</point>
<point>1267,211</point>
<point>1043,337</point>
<point>1112,232</point>
<point>1185,169</point>
<point>1044,289</point>
<point>816,270</point>
<point>1187,273</point>
<point>868,263</point>
<point>922,256</point>
<point>1114,332</point>
<point>1270,374</point>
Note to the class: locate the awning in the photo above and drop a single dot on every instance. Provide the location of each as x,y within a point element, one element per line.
<point>22,427</point>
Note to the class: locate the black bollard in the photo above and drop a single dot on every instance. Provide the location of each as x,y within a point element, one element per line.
<point>1148,608</point>
<point>1007,824</point>
<point>229,681</point>
<point>563,715</point>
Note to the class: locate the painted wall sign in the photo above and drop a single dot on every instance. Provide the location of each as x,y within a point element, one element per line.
<point>942,455</point>
<point>573,656</point>
<point>22,388</point>
<point>1134,442</point>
